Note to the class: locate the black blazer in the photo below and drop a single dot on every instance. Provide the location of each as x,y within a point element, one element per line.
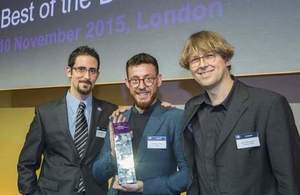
<point>273,168</point>
<point>49,144</point>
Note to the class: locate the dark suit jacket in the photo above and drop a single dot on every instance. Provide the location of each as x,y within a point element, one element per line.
<point>157,168</point>
<point>50,144</point>
<point>271,169</point>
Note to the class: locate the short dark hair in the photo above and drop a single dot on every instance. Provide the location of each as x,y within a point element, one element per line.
<point>83,50</point>
<point>142,58</point>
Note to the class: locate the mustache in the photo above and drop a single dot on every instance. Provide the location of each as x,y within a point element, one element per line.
<point>86,81</point>
<point>141,90</point>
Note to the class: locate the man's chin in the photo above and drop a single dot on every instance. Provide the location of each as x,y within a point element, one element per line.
<point>84,91</point>
<point>143,105</point>
<point>144,102</point>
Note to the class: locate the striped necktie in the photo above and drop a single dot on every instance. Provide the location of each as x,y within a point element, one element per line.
<point>80,137</point>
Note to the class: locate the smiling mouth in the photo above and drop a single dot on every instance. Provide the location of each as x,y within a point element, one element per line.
<point>205,72</point>
<point>86,82</point>
<point>143,94</point>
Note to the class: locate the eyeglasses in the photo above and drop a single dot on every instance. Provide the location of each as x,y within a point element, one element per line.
<point>207,59</point>
<point>83,70</point>
<point>148,81</point>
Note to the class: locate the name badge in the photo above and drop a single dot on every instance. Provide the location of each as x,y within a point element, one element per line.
<point>101,133</point>
<point>247,140</point>
<point>157,142</point>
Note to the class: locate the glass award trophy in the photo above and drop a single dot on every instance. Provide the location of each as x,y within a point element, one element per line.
<point>124,153</point>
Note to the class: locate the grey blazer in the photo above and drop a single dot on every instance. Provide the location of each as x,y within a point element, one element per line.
<point>273,168</point>
<point>50,146</point>
<point>157,168</point>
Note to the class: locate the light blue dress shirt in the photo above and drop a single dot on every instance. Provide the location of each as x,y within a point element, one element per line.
<point>72,106</point>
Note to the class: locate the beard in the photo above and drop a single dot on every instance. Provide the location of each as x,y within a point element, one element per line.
<point>145,104</point>
<point>86,88</point>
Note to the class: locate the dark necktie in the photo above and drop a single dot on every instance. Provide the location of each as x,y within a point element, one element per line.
<point>80,137</point>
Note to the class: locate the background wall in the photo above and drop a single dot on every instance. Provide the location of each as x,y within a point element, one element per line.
<point>14,125</point>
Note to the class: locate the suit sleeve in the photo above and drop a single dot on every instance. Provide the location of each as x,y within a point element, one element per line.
<point>283,144</point>
<point>30,156</point>
<point>178,181</point>
<point>105,165</point>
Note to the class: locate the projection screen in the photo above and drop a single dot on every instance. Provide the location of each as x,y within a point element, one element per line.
<point>36,37</point>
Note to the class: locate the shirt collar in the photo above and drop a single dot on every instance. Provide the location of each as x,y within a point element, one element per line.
<point>226,103</point>
<point>73,102</point>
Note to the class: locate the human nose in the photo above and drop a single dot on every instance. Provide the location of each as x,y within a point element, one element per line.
<point>202,62</point>
<point>141,84</point>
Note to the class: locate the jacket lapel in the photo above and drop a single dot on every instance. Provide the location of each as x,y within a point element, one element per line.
<point>238,106</point>
<point>151,129</point>
<point>62,118</point>
<point>191,111</point>
<point>95,119</point>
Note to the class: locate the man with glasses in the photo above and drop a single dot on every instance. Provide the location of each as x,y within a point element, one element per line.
<point>160,166</point>
<point>66,135</point>
<point>238,139</point>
